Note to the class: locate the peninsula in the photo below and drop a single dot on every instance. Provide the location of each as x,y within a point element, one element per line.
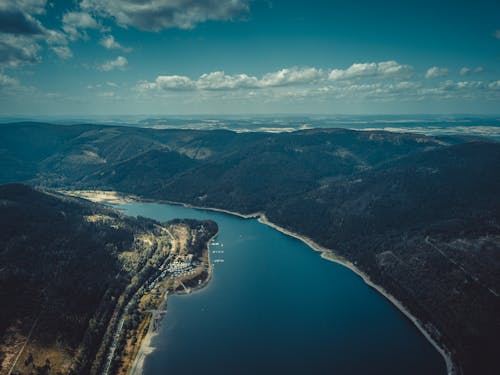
<point>84,282</point>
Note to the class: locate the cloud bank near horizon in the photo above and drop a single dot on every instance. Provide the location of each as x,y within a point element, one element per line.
<point>145,54</point>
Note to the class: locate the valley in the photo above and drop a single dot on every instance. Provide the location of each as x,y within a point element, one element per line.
<point>420,215</point>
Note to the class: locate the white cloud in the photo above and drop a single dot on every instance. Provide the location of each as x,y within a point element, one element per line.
<point>6,81</point>
<point>156,15</point>
<point>119,63</point>
<point>465,71</point>
<point>219,80</point>
<point>497,34</point>
<point>21,34</point>
<point>382,69</point>
<point>109,42</point>
<point>17,50</point>
<point>174,83</point>
<point>54,37</point>
<point>436,72</point>
<point>302,84</point>
<point>62,51</point>
<point>290,76</point>
<point>75,24</point>
<point>495,85</point>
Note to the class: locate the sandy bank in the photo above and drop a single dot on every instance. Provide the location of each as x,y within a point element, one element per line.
<point>144,350</point>
<point>101,196</point>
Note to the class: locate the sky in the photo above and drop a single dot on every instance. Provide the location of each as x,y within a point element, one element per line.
<point>170,57</point>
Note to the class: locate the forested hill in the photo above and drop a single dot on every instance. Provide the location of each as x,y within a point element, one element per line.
<point>420,215</point>
<point>427,228</point>
<point>56,154</point>
<point>67,267</point>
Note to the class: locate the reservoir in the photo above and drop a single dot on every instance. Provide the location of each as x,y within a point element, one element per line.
<point>274,306</point>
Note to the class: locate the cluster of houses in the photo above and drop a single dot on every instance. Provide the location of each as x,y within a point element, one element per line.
<point>183,265</point>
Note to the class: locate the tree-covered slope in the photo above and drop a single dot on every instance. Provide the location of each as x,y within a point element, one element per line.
<point>67,268</point>
<point>427,228</point>
<point>420,215</point>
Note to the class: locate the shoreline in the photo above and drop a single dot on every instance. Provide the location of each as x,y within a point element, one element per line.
<point>145,345</point>
<point>325,253</point>
<point>330,255</point>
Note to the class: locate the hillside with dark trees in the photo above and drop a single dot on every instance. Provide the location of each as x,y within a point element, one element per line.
<point>420,215</point>
<point>67,266</point>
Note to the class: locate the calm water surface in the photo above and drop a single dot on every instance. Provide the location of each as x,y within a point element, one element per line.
<point>275,307</point>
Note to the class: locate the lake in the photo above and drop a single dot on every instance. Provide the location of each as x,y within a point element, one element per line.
<point>274,306</point>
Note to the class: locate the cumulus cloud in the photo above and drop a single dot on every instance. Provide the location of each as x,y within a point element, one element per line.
<point>119,63</point>
<point>62,51</point>
<point>301,80</point>
<point>21,34</point>
<point>173,83</point>
<point>15,21</point>
<point>17,50</point>
<point>373,83</point>
<point>465,71</point>
<point>289,76</point>
<point>75,24</point>
<point>219,80</point>
<point>222,81</point>
<point>436,72</point>
<point>109,42</point>
<point>156,15</point>
<point>382,69</point>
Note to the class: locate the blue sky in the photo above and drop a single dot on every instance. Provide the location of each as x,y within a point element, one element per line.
<point>100,57</point>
